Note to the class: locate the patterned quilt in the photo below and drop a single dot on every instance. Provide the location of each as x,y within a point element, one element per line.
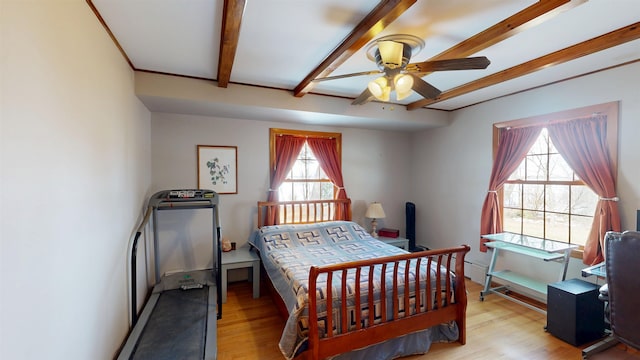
<point>289,251</point>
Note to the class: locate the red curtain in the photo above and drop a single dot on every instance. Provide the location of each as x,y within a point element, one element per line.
<point>514,143</point>
<point>583,145</point>
<point>287,150</point>
<point>326,151</point>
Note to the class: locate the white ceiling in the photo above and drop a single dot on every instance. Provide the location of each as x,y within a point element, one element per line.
<point>281,42</point>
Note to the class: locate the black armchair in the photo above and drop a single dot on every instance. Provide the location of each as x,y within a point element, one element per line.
<point>622,256</point>
<point>621,293</point>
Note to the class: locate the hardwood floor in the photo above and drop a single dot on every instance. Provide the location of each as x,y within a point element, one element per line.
<point>496,329</point>
<point>250,328</point>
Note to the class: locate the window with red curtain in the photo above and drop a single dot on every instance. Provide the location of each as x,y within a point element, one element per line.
<point>553,192</point>
<point>545,198</point>
<point>313,173</point>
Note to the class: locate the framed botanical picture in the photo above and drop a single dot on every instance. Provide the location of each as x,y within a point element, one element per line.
<point>218,168</point>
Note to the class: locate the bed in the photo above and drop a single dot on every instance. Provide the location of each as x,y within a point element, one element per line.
<point>312,253</point>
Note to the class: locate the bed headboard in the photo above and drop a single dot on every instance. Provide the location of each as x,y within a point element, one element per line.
<point>303,212</point>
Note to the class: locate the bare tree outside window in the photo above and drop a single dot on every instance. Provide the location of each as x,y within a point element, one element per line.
<point>545,198</point>
<point>306,180</point>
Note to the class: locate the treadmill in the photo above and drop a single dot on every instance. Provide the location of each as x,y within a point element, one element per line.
<point>179,319</point>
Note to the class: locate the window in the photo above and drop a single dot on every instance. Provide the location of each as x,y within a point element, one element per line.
<point>545,198</point>
<point>306,180</point>
<point>297,174</point>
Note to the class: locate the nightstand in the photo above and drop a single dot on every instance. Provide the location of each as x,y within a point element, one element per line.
<point>399,242</point>
<point>243,257</point>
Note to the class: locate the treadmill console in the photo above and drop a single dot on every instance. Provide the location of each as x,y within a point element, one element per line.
<point>189,194</point>
<point>184,199</point>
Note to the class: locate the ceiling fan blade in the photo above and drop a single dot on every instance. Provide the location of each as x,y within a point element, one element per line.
<point>372,72</point>
<point>480,62</point>
<point>363,98</point>
<point>425,89</point>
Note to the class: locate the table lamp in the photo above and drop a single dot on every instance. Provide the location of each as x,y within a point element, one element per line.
<point>374,211</point>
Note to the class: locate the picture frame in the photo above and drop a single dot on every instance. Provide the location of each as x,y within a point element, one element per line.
<point>218,168</point>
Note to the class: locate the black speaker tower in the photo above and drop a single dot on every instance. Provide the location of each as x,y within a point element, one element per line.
<point>410,209</point>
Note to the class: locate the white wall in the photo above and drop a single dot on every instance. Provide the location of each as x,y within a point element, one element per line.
<point>78,149</point>
<point>455,161</point>
<point>75,174</point>
<point>375,168</point>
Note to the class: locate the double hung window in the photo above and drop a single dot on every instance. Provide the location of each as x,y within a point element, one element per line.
<point>545,198</point>
<point>554,177</point>
<point>306,167</point>
<point>306,180</point>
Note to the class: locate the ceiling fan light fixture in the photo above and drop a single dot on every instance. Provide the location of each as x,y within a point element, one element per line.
<point>402,95</point>
<point>379,87</point>
<point>400,45</point>
<point>403,83</point>
<point>386,92</point>
<point>391,53</point>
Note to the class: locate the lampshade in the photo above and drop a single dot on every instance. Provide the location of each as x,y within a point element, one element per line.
<point>403,84</point>
<point>391,53</point>
<point>402,95</point>
<point>380,88</point>
<point>375,211</point>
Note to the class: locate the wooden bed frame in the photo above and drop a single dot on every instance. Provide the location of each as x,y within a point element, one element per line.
<point>434,311</point>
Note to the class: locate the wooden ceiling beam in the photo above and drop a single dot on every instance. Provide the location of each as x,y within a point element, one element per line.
<point>533,15</point>
<point>383,14</point>
<point>603,42</point>
<point>231,21</point>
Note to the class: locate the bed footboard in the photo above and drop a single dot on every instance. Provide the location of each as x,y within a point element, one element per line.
<point>403,310</point>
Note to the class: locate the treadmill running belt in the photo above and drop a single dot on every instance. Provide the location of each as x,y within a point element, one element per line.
<point>176,328</point>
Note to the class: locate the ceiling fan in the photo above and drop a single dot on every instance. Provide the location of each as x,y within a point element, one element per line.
<point>392,54</point>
